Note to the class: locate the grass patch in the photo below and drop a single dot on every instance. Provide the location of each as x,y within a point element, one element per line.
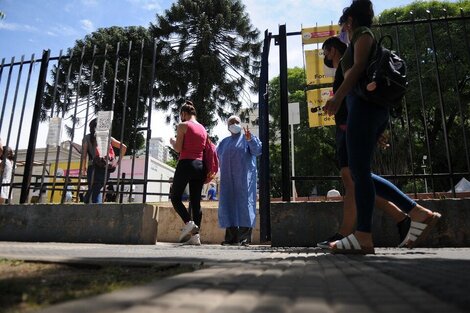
<point>28,286</point>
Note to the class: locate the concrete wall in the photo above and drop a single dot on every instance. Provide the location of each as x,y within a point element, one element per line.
<point>170,224</point>
<point>306,223</point>
<point>292,224</point>
<point>107,223</point>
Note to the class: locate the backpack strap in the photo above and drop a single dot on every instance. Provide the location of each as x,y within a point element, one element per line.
<point>380,42</point>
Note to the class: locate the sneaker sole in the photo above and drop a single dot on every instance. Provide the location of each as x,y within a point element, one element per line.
<point>188,235</point>
<point>322,246</point>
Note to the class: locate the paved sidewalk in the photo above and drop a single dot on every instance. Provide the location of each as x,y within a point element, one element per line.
<point>264,279</point>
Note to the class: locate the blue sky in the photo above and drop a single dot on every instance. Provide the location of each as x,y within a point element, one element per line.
<point>33,25</point>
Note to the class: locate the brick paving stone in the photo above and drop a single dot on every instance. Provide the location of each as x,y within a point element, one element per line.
<point>240,301</point>
<point>311,304</point>
<point>265,279</point>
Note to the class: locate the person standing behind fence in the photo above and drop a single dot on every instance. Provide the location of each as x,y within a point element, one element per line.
<point>96,174</point>
<point>212,192</point>
<point>6,170</point>
<point>237,196</point>
<point>190,141</point>
<point>366,122</point>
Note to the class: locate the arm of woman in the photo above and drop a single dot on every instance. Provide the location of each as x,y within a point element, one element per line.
<point>255,146</point>
<point>84,157</point>
<point>362,49</point>
<point>180,131</point>
<point>121,146</point>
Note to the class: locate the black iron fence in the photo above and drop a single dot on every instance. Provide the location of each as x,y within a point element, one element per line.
<point>429,151</point>
<point>429,139</point>
<point>72,89</point>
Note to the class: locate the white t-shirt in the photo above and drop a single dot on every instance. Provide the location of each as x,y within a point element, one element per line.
<point>7,172</point>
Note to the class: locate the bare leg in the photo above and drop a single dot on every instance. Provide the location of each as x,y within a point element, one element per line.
<point>417,214</point>
<point>390,209</point>
<point>420,213</point>
<point>365,239</point>
<point>349,203</point>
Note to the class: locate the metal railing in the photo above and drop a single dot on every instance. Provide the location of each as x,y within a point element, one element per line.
<point>80,84</point>
<point>425,135</point>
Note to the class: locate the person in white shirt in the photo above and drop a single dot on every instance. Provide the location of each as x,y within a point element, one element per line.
<point>6,171</point>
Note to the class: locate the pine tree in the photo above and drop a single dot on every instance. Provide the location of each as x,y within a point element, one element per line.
<point>97,91</point>
<point>213,57</point>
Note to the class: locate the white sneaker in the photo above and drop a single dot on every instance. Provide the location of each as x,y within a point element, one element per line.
<point>195,240</point>
<point>189,229</point>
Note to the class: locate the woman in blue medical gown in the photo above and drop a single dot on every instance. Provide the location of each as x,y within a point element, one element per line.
<point>237,202</point>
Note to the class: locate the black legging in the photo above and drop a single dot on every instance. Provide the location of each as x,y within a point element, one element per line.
<point>192,172</point>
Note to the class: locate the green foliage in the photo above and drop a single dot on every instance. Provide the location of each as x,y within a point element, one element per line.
<point>419,121</point>
<point>314,147</point>
<point>172,163</point>
<point>212,53</point>
<point>447,65</point>
<point>98,51</point>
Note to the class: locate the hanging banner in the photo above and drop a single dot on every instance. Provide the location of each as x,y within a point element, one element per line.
<point>316,99</point>
<point>102,138</point>
<point>104,120</point>
<point>317,72</point>
<point>319,34</point>
<point>54,136</point>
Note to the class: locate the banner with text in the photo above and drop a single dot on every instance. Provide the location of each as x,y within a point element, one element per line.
<point>316,99</point>
<point>319,34</point>
<point>317,72</point>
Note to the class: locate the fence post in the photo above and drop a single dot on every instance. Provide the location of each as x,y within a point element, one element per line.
<point>28,167</point>
<point>264,198</point>
<point>285,170</point>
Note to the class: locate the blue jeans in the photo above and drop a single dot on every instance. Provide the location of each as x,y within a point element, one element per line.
<point>95,183</point>
<point>366,122</point>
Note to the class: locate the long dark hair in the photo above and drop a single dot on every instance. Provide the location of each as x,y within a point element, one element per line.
<point>92,126</point>
<point>361,11</point>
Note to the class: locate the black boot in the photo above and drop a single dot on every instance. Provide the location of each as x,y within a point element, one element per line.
<point>244,235</point>
<point>231,236</point>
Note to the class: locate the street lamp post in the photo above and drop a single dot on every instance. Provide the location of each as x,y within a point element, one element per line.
<point>423,165</point>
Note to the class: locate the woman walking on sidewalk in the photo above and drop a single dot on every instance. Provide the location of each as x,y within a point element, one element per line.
<point>333,51</point>
<point>190,141</point>
<point>366,121</point>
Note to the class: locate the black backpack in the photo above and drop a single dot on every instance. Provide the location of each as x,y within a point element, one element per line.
<point>386,72</point>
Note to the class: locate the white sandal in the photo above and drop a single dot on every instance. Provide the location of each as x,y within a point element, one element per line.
<point>419,231</point>
<point>350,245</point>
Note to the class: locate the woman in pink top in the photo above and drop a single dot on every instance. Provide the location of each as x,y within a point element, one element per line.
<point>190,142</point>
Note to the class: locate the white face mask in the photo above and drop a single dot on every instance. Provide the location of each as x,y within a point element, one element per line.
<point>235,128</point>
<point>344,37</point>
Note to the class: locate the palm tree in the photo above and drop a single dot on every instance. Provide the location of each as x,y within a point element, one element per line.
<point>213,56</point>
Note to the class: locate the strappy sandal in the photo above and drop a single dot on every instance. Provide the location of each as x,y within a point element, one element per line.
<point>419,231</point>
<point>350,245</point>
